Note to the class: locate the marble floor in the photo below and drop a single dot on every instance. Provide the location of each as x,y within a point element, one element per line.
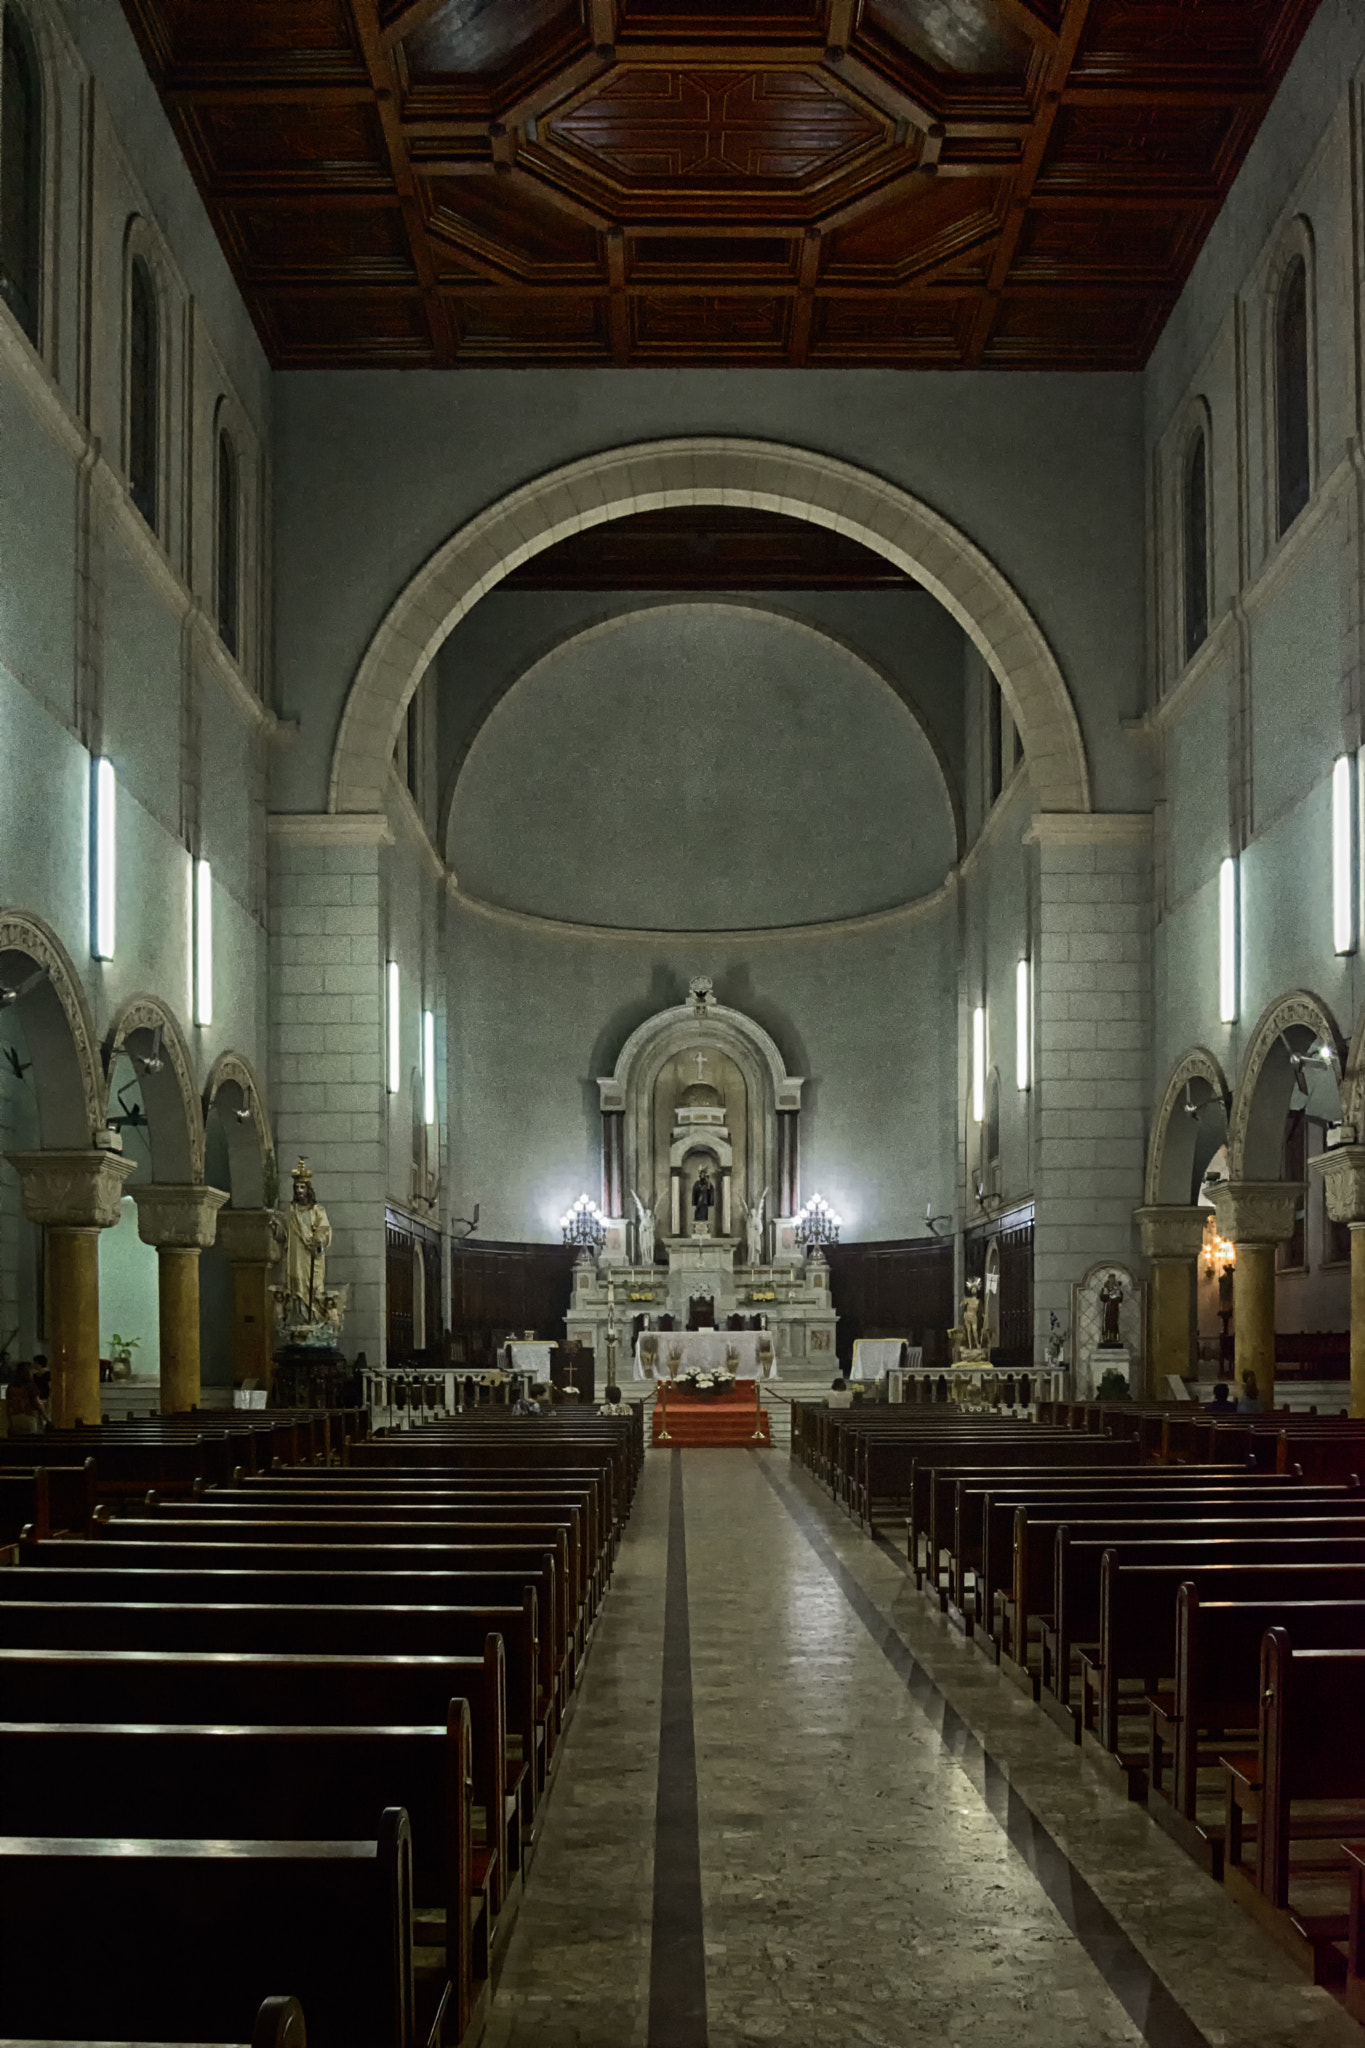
<point>864,1834</point>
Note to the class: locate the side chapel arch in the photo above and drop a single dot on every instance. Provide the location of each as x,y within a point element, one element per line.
<point>1287,1028</point>
<point>50,1005</point>
<point>232,1087</point>
<point>148,1031</point>
<point>766,476</point>
<point>1178,1135</point>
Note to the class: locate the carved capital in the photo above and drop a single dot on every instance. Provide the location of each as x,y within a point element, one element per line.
<point>72,1190</point>
<point>1343,1180</point>
<point>1257,1211</point>
<point>180,1218</point>
<point>251,1237</point>
<point>1171,1233</point>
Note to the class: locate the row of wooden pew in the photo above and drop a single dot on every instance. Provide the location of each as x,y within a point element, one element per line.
<point>1199,1626</point>
<point>294,1732</point>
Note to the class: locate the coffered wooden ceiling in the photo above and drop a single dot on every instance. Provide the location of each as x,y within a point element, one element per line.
<point>936,183</point>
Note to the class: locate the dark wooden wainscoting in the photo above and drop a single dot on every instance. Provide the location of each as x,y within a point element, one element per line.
<point>1013,1233</point>
<point>499,1291</point>
<point>900,1288</point>
<point>412,1287</point>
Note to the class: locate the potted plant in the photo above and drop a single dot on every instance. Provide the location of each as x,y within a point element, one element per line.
<point>121,1351</point>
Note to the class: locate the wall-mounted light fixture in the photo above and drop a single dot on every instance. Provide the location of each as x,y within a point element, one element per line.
<point>1229,940</point>
<point>1343,856</point>
<point>1023,1033</point>
<point>203,942</point>
<point>428,1066</point>
<point>395,1024</point>
<point>979,1064</point>
<point>103,857</point>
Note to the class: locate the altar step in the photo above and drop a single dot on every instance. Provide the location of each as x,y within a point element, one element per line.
<point>709,1425</point>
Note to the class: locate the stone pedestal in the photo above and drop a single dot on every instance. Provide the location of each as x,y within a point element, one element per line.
<point>1171,1239</point>
<point>253,1240</point>
<point>1343,1177</point>
<point>180,1222</point>
<point>74,1196</point>
<point>1257,1215</point>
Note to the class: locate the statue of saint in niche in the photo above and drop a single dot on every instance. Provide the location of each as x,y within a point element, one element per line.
<point>703,1201</point>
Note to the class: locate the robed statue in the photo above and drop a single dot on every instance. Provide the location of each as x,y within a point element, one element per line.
<point>1111,1301</point>
<point>644,1231</point>
<point>308,1236</point>
<point>703,1199</point>
<point>753,1227</point>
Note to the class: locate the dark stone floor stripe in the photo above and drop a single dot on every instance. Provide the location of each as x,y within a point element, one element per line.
<point>677,1963</point>
<point>1138,1989</point>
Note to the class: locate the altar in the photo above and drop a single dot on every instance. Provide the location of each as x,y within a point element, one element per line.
<point>665,1354</point>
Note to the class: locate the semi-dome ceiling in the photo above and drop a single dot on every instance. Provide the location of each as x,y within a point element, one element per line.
<point>1022,183</point>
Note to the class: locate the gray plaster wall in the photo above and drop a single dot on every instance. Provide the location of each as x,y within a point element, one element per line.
<point>698,767</point>
<point>374,472</point>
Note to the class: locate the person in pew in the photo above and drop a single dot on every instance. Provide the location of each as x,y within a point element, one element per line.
<point>840,1394</point>
<point>42,1375</point>
<point>1222,1402</point>
<point>612,1404</point>
<point>25,1408</point>
<point>1251,1402</point>
<point>531,1403</point>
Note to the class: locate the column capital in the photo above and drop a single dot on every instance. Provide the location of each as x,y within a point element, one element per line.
<point>1343,1180</point>
<point>178,1218</point>
<point>1257,1211</point>
<point>1171,1233</point>
<point>251,1237</point>
<point>72,1190</point>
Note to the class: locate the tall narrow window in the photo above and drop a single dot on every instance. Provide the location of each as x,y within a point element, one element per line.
<point>1293,467</point>
<point>1195,511</point>
<point>227,593</point>
<point>144,382</point>
<point>21,176</point>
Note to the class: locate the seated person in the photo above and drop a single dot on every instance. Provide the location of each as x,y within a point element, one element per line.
<point>1251,1402</point>
<point>531,1403</point>
<point>1222,1402</point>
<point>611,1403</point>
<point>25,1409</point>
<point>840,1394</point>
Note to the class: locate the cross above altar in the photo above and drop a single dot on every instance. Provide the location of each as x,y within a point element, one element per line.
<point>701,1066</point>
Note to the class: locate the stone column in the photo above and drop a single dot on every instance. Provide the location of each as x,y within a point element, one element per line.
<point>253,1240</point>
<point>1343,1176</point>
<point>1257,1215</point>
<point>726,1218</point>
<point>675,1202</point>
<point>1171,1238</point>
<point>180,1222</point>
<point>74,1196</point>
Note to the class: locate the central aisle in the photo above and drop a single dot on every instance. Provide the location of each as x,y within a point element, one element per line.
<point>876,1849</point>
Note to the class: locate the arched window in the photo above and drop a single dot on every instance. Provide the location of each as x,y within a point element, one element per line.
<point>1293,466</point>
<point>144,390</point>
<point>226,594</point>
<point>21,175</point>
<point>1195,530</point>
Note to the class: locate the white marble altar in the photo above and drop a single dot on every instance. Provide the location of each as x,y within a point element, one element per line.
<point>681,1351</point>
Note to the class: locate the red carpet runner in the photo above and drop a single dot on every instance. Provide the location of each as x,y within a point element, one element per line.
<point>691,1420</point>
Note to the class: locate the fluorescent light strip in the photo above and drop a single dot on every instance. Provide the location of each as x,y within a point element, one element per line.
<point>395,1019</point>
<point>1343,857</point>
<point>1022,1023</point>
<point>203,942</point>
<point>978,1065</point>
<point>1228,949</point>
<point>104,897</point>
<point>428,1066</point>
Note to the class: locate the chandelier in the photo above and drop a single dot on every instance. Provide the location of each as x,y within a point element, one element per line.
<point>1219,1254</point>
<point>584,1226</point>
<point>818,1225</point>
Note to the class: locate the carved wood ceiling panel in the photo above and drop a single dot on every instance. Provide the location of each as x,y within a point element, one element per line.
<point>948,183</point>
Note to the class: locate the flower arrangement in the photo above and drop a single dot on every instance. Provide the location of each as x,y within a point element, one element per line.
<point>695,1381</point>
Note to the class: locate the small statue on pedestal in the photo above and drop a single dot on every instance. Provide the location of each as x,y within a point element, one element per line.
<point>644,1232</point>
<point>971,1316</point>
<point>703,1201</point>
<point>1111,1301</point>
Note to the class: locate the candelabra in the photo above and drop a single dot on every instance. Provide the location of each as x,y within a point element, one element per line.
<point>818,1225</point>
<point>585,1226</point>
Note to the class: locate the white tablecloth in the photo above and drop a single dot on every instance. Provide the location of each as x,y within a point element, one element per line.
<point>705,1350</point>
<point>872,1356</point>
<point>533,1359</point>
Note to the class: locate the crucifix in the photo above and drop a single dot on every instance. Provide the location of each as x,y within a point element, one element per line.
<point>701,1066</point>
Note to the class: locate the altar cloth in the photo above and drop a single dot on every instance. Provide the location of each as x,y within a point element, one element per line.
<point>704,1351</point>
<point>872,1356</point>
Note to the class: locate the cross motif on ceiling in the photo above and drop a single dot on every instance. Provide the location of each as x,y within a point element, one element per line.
<point>717,124</point>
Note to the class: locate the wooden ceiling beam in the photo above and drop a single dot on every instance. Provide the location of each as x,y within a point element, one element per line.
<point>405,17</point>
<point>379,63</point>
<point>1058,71</point>
<point>320,92</point>
<point>803,312</point>
<point>1022,16</point>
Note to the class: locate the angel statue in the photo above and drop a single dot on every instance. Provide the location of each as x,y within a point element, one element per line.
<point>644,1231</point>
<point>753,1226</point>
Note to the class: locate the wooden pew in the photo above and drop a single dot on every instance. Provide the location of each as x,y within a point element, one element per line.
<point>296,1784</point>
<point>279,2024</point>
<point>231,1921</point>
<point>25,1503</point>
<point>70,1481</point>
<point>1214,1698</point>
<point>1034,1452</point>
<point>1312,1708</point>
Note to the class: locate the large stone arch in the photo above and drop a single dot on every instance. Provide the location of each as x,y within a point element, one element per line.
<point>148,1030</point>
<point>1196,1079</point>
<point>233,1088</point>
<point>766,476</point>
<point>764,608</point>
<point>50,1005</point>
<point>1266,1084</point>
